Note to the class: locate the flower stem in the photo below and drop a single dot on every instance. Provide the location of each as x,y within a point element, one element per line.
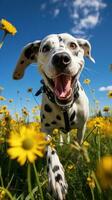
<point>38,182</point>
<point>3,38</point>
<point>97,184</point>
<point>34,98</point>
<point>29,181</point>
<point>89,134</point>
<point>92,193</point>
<point>99,145</point>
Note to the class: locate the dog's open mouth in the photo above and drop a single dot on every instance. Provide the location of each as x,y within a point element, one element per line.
<point>63,86</point>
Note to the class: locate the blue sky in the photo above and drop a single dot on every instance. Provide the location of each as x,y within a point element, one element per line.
<point>36,19</point>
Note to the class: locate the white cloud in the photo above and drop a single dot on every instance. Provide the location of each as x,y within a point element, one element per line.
<point>43,6</point>
<point>56,12</point>
<point>89,21</point>
<point>108,88</point>
<point>86,14</point>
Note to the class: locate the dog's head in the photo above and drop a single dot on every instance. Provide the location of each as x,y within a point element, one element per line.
<point>60,58</point>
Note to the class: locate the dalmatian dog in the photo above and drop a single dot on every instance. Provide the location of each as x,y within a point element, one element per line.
<point>60,59</point>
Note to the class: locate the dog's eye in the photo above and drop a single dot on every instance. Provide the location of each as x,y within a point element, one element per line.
<point>46,48</point>
<point>73,45</point>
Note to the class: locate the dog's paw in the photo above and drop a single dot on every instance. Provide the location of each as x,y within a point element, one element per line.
<point>56,178</point>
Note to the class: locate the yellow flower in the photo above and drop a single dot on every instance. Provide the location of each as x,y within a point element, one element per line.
<point>21,120</point>
<point>98,122</point>
<point>1,112</point>
<point>2,140</point>
<point>6,112</point>
<point>8,27</point>
<point>11,100</point>
<point>87,81</point>
<point>86,144</point>
<point>71,166</point>
<point>2,194</point>
<point>28,144</point>
<point>55,131</point>
<point>91,182</point>
<point>4,107</point>
<point>108,129</point>
<point>37,118</point>
<point>33,110</point>
<point>102,123</point>
<point>36,125</point>
<point>25,112</point>
<point>12,121</point>
<point>106,109</point>
<point>30,90</point>
<point>104,171</point>
<point>109,94</point>
<point>2,98</point>
<point>3,123</point>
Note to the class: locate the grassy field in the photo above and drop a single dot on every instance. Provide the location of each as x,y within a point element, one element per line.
<point>88,168</point>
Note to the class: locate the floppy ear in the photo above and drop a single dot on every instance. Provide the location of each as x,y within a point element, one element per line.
<point>28,55</point>
<point>86,46</point>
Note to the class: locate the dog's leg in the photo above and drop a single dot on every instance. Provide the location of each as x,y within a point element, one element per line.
<point>56,178</point>
<point>80,134</point>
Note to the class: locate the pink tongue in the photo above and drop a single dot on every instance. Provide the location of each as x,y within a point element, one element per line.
<point>62,86</point>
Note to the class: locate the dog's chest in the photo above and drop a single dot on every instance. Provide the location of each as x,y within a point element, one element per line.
<point>52,116</point>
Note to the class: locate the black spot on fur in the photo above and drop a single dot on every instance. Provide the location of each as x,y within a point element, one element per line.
<point>58,117</point>
<point>31,51</point>
<point>49,161</point>
<point>85,45</point>
<point>53,122</point>
<point>15,77</point>
<point>73,123</point>
<point>58,177</point>
<point>36,48</point>
<point>43,116</point>
<point>46,153</point>
<point>55,168</point>
<point>72,116</point>
<point>22,62</point>
<point>47,108</point>
<point>47,169</point>
<point>28,51</point>
<point>60,38</point>
<point>53,152</point>
<point>47,125</point>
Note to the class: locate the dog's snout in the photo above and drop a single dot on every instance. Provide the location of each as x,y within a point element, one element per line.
<point>61,60</point>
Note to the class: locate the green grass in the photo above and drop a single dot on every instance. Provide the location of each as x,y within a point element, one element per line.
<point>14,180</point>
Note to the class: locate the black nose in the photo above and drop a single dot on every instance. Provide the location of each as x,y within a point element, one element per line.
<point>61,60</point>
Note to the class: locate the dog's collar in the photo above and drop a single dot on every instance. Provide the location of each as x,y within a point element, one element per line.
<point>63,105</point>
